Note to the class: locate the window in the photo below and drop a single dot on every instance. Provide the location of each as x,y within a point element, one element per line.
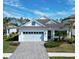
<point>40,32</point>
<point>24,32</point>
<point>60,33</point>
<point>33,23</point>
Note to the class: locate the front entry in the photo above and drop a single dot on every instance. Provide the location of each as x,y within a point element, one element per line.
<point>49,34</point>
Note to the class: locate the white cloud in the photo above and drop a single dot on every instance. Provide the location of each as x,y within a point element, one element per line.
<point>15,3</point>
<point>7,13</point>
<point>61,13</point>
<point>12,14</point>
<point>72,2</point>
<point>73,9</point>
<point>38,12</point>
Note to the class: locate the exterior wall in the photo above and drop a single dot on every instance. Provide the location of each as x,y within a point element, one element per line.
<point>21,34</point>
<point>73,31</point>
<point>9,31</point>
<point>12,30</point>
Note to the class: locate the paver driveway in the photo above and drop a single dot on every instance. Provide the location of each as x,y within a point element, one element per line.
<point>30,50</point>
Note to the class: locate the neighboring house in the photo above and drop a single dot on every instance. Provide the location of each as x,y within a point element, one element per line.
<point>11,29</point>
<point>41,29</point>
<point>70,19</point>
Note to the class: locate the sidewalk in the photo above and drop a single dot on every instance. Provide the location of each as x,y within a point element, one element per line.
<point>61,54</point>
<point>49,54</point>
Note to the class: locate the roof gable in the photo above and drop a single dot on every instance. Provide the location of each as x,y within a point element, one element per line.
<point>31,23</point>
<point>51,22</point>
<point>43,19</point>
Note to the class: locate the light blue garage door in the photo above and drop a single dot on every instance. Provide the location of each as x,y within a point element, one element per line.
<point>33,36</point>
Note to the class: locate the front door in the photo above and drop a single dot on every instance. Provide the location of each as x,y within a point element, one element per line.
<point>49,34</point>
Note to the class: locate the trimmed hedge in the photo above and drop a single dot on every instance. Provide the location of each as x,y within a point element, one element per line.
<point>14,43</point>
<point>52,44</point>
<point>15,38</point>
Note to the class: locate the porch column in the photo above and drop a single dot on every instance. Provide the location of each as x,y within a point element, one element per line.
<point>52,34</point>
<point>68,34</point>
<point>7,32</point>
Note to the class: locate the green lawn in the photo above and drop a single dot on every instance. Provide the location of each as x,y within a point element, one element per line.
<point>62,57</point>
<point>7,48</point>
<point>64,47</point>
<point>5,58</point>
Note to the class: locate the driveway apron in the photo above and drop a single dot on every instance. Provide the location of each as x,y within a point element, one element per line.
<point>30,50</point>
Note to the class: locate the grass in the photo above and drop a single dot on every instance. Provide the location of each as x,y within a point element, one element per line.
<point>64,47</point>
<point>62,57</point>
<point>7,48</point>
<point>5,58</point>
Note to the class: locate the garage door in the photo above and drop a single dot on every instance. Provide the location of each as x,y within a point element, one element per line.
<point>33,36</point>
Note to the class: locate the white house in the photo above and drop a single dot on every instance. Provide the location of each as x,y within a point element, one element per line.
<point>40,29</point>
<point>11,29</point>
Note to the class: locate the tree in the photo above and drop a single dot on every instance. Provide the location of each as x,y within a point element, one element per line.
<point>6,23</point>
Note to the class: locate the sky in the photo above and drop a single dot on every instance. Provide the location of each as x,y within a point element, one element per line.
<point>56,9</point>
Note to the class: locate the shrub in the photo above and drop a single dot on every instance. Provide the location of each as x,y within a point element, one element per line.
<point>14,43</point>
<point>15,38</point>
<point>56,39</point>
<point>51,44</point>
<point>12,37</point>
<point>70,41</point>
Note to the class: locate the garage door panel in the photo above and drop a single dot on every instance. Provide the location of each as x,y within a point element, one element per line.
<point>33,37</point>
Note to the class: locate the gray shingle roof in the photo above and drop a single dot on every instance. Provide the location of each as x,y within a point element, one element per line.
<point>43,19</point>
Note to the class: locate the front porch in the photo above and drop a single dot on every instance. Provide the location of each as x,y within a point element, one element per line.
<point>54,34</point>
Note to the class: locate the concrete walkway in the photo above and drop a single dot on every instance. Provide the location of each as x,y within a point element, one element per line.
<point>61,54</point>
<point>49,54</point>
<point>30,50</point>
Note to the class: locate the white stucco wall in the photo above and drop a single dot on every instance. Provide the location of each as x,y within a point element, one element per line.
<point>73,31</point>
<point>9,31</point>
<point>12,30</point>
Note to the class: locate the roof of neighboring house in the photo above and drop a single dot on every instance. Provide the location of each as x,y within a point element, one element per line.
<point>72,18</point>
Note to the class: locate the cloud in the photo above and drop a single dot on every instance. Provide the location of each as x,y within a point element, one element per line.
<point>5,13</point>
<point>37,12</point>
<point>15,3</point>
<point>73,9</point>
<point>72,2</point>
<point>12,14</point>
